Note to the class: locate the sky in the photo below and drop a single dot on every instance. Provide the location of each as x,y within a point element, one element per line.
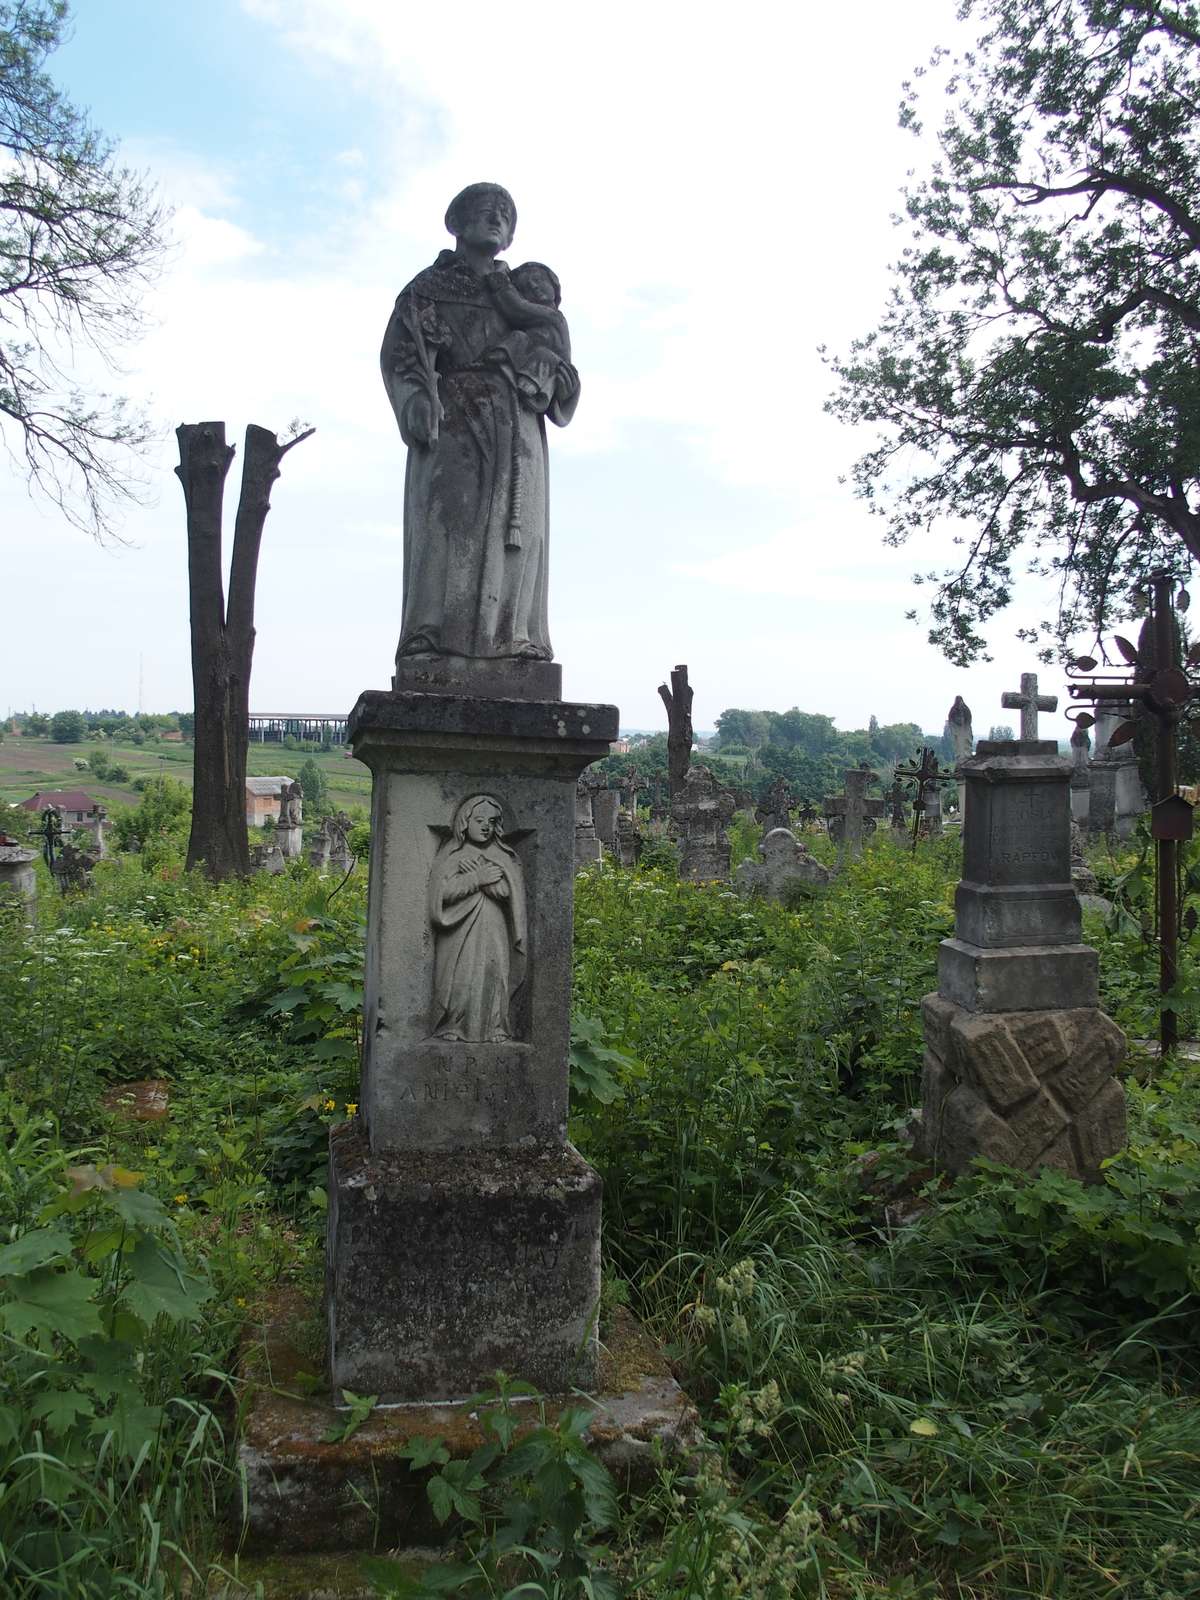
<point>715,187</point>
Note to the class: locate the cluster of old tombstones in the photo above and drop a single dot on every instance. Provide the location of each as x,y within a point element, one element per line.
<point>70,863</point>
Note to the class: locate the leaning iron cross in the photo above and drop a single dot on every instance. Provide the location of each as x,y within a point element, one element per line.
<point>1029,702</point>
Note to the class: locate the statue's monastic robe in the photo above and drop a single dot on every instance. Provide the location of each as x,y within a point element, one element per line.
<point>476,508</point>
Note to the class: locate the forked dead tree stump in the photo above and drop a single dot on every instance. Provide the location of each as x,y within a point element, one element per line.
<point>223,637</point>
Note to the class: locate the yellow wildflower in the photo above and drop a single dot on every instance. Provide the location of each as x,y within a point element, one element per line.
<point>351,1107</point>
<point>181,1199</point>
<point>329,1105</point>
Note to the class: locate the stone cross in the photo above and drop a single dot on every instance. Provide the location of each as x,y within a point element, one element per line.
<point>1028,702</point>
<point>852,814</point>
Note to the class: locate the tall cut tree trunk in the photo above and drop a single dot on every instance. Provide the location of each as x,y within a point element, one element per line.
<point>223,640</point>
<point>678,701</point>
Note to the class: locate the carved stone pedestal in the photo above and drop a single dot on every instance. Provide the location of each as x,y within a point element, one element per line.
<point>463,1228</point>
<point>1020,1062</point>
<point>492,1264</point>
<point>1028,1088</point>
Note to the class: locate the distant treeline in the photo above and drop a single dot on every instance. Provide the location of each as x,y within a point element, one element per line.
<point>752,748</point>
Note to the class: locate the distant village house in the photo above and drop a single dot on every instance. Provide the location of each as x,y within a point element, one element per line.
<point>74,805</point>
<point>264,798</point>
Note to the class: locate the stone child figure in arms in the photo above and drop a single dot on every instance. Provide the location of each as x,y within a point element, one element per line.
<point>474,360</point>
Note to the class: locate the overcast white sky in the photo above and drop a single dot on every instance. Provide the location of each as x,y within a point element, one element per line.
<point>714,186</point>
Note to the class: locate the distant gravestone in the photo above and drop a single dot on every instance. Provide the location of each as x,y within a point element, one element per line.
<point>72,868</point>
<point>606,803</point>
<point>786,869</point>
<point>775,811</point>
<point>318,850</point>
<point>1020,1063</point>
<point>628,849</point>
<point>962,740</point>
<point>267,858</point>
<point>17,875</point>
<point>700,813</point>
<point>899,821</point>
<point>1081,777</point>
<point>933,810</point>
<point>289,830</point>
<point>1116,798</point>
<point>341,857</point>
<point>587,841</point>
<point>852,814</point>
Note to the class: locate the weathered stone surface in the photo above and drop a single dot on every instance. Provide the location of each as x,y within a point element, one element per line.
<point>429,755</point>
<point>606,804</point>
<point>700,812</point>
<point>587,841</point>
<point>1027,1089</point>
<point>305,1493</point>
<point>852,814</point>
<point>441,1272</point>
<point>786,870</point>
<point>1028,978</point>
<point>17,874</point>
<point>494,679</point>
<point>473,367</point>
<point>629,840</point>
<point>1115,796</point>
<point>988,1057</point>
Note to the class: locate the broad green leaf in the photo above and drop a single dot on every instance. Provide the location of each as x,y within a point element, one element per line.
<point>60,1408</point>
<point>162,1284</point>
<point>441,1497</point>
<point>425,1452</point>
<point>37,1248</point>
<point>925,1427</point>
<point>52,1302</point>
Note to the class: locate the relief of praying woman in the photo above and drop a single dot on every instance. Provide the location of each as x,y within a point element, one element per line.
<point>474,360</point>
<point>477,910</point>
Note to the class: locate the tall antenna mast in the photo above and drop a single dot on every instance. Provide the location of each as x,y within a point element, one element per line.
<point>141,683</point>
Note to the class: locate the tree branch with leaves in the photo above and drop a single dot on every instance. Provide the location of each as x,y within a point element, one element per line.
<point>1034,376</point>
<point>80,240</point>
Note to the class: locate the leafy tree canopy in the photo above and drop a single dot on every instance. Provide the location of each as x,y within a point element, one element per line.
<point>79,238</point>
<point>1034,376</point>
<point>67,727</point>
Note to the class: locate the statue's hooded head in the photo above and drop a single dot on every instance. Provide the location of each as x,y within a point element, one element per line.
<point>486,812</point>
<point>466,205</point>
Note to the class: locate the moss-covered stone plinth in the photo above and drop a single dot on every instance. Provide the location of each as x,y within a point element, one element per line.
<point>305,1494</point>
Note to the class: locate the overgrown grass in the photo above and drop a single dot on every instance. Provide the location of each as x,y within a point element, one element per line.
<point>910,1389</point>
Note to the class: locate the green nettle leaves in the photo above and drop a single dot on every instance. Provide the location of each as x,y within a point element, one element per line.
<point>533,1498</point>
<point>1034,376</point>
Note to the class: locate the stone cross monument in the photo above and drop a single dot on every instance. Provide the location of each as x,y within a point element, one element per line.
<point>852,814</point>
<point>1020,1061</point>
<point>1028,702</point>
<point>464,1229</point>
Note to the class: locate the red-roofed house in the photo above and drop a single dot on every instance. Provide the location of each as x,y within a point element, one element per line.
<point>73,803</point>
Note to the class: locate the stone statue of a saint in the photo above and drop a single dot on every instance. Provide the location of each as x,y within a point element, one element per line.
<point>477,911</point>
<point>475,358</point>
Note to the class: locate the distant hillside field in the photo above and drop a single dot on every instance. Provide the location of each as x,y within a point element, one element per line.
<point>29,764</point>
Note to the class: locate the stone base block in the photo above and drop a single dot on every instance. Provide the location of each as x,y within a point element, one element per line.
<point>443,1267</point>
<point>499,679</point>
<point>1032,978</point>
<point>305,1494</point>
<point>1028,1088</point>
